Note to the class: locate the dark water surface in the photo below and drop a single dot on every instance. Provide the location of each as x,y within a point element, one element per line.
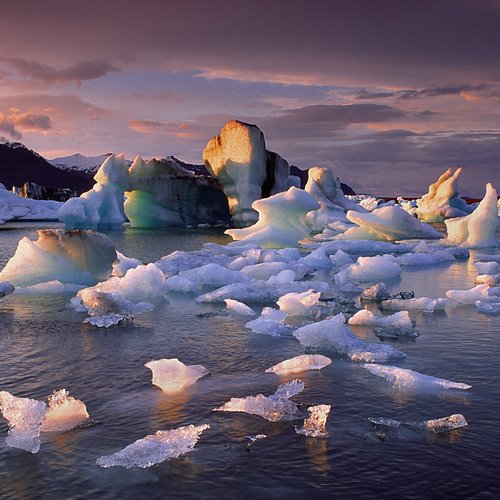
<point>45,346</point>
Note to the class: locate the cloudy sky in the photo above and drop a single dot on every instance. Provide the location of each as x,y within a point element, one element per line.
<point>386,93</point>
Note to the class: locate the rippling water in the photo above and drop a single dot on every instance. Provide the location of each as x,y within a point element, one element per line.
<point>44,346</point>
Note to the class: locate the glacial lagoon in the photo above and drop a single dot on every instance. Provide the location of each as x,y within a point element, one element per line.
<point>45,346</point>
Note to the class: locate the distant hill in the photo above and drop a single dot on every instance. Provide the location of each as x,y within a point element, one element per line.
<point>79,163</point>
<point>18,165</point>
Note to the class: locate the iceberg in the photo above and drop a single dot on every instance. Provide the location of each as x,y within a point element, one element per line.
<point>315,425</point>
<point>274,408</point>
<point>442,201</point>
<point>171,375</point>
<point>24,417</point>
<point>368,269</point>
<point>436,426</point>
<point>403,378</point>
<point>102,206</point>
<point>64,413</point>
<point>281,221</point>
<point>298,364</point>
<point>155,448</point>
<point>77,257</point>
<point>239,307</point>
<point>334,336</point>
<point>478,229</point>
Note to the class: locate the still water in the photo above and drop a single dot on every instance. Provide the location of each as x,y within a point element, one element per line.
<point>45,346</point>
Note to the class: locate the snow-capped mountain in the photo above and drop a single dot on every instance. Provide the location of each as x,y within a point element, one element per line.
<point>79,162</point>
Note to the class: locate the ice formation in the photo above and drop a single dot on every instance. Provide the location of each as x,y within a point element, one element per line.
<point>399,322</point>
<point>212,275</point>
<point>488,307</point>
<point>479,292</point>
<point>387,224</point>
<point>162,193</point>
<point>270,322</point>
<point>425,259</point>
<point>239,307</point>
<point>299,304</point>
<point>375,293</point>
<point>368,269</point>
<point>273,408</point>
<point>13,207</point>
<point>477,229</point>
<point>281,220</point>
<point>487,267</point>
<point>123,263</point>
<point>334,336</point>
<point>315,425</point>
<point>64,413</point>
<point>155,448</point>
<point>419,304</point>
<point>6,288</point>
<point>81,257</point>
<point>442,200</point>
<point>102,206</point>
<point>171,375</point>
<point>403,378</point>
<point>298,364</point>
<point>24,417</point>
<point>437,425</point>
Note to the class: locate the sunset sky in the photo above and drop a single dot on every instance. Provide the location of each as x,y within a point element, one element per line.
<point>386,93</point>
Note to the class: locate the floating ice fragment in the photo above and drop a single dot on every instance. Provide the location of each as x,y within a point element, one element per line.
<point>273,408</point>
<point>488,307</point>
<point>6,288</point>
<point>155,448</point>
<point>239,307</point>
<point>399,322</point>
<point>375,293</point>
<point>421,304</point>
<point>108,320</point>
<point>171,375</point>
<point>270,322</point>
<point>437,425</point>
<point>257,437</point>
<point>479,292</point>
<point>341,258</point>
<point>368,269</point>
<point>123,264</point>
<point>299,304</point>
<point>403,378</point>
<point>24,417</point>
<point>299,364</point>
<point>487,267</point>
<point>425,259</point>
<point>315,425</point>
<point>64,413</point>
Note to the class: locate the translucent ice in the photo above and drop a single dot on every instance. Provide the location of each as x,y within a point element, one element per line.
<point>239,307</point>
<point>123,264</point>
<point>424,259</point>
<point>299,304</point>
<point>64,413</point>
<point>479,292</point>
<point>24,417</point>
<point>399,321</point>
<point>273,408</point>
<point>333,335</point>
<point>315,425</point>
<point>368,269</point>
<point>6,288</point>
<point>270,322</point>
<point>375,293</point>
<point>301,363</point>
<point>171,375</point>
<point>420,304</point>
<point>487,267</point>
<point>403,378</point>
<point>437,425</point>
<point>155,448</point>
<point>488,307</point>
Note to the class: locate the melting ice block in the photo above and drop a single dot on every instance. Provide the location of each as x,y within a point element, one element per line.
<point>82,257</point>
<point>239,307</point>
<point>281,221</point>
<point>488,307</point>
<point>171,375</point>
<point>24,417</point>
<point>155,448</point>
<point>315,425</point>
<point>420,304</point>
<point>477,229</point>
<point>299,364</point>
<point>398,322</point>
<point>436,425</point>
<point>403,378</point>
<point>375,293</point>
<point>368,269</point>
<point>299,304</point>
<point>333,335</point>
<point>478,292</point>
<point>6,288</point>
<point>64,413</point>
<point>270,322</point>
<point>273,408</point>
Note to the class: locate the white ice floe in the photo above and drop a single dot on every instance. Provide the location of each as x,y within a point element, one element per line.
<point>479,292</point>
<point>368,269</point>
<point>399,321</point>
<point>6,288</point>
<point>263,270</point>
<point>487,267</point>
<point>340,258</point>
<point>281,220</point>
<point>315,425</point>
<point>436,425</point>
<point>415,304</point>
<point>64,413</point>
<point>424,259</point>
<point>334,336</point>
<point>488,307</point>
<point>49,287</point>
<point>403,378</point>
<point>102,206</point>
<point>172,375</point>
<point>213,275</point>
<point>299,304</point>
<point>270,322</point>
<point>78,257</point>
<point>155,448</point>
<point>273,408</point>
<point>24,417</point>
<point>375,293</point>
<point>486,257</point>
<point>387,224</point>
<point>442,201</point>
<point>123,263</point>
<point>298,364</point>
<point>239,307</point>
<point>476,230</point>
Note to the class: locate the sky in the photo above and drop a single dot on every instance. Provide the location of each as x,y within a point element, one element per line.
<point>386,93</point>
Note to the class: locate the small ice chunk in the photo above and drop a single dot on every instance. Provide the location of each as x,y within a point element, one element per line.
<point>24,417</point>
<point>273,408</point>
<point>64,413</point>
<point>264,270</point>
<point>488,307</point>
<point>270,322</point>
<point>155,448</point>
<point>299,304</point>
<point>403,378</point>
<point>315,425</point>
<point>484,257</point>
<point>6,288</point>
<point>257,437</point>
<point>341,258</point>
<point>368,269</point>
<point>212,275</point>
<point>123,263</point>
<point>239,307</point>
<point>425,259</point>
<point>171,375</point>
<point>108,320</point>
<point>399,321</point>
<point>479,292</point>
<point>375,293</point>
<point>420,304</point>
<point>487,267</point>
<point>437,425</point>
<point>490,279</point>
<point>299,364</point>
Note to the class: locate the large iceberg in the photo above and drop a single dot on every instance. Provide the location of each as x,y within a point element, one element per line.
<point>102,206</point>
<point>172,375</point>
<point>281,220</point>
<point>442,200</point>
<point>477,229</point>
<point>155,448</point>
<point>82,257</point>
